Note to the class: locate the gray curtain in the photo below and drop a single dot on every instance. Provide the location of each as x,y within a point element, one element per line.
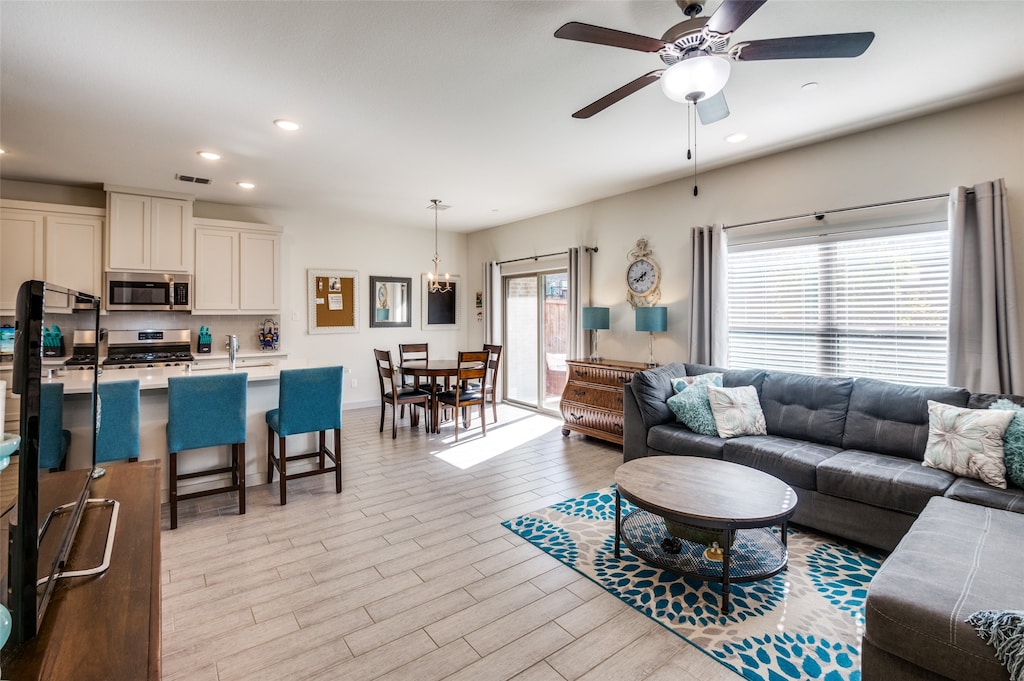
<point>579,298</point>
<point>493,303</point>
<point>709,315</point>
<point>984,329</point>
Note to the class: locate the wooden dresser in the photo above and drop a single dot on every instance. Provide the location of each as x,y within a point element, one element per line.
<point>592,399</point>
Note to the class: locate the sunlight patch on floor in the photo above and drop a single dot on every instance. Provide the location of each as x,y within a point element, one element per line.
<point>504,436</point>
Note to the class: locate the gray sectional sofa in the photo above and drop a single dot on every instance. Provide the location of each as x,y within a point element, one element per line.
<point>852,450</point>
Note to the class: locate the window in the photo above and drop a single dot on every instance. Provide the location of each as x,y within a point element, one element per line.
<point>871,303</point>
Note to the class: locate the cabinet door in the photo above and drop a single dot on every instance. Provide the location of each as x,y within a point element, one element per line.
<point>172,238</point>
<point>73,258</point>
<point>128,242</point>
<point>216,278</point>
<point>260,265</point>
<point>21,254</point>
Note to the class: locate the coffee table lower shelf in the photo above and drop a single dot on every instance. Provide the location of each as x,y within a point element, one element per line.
<point>756,553</point>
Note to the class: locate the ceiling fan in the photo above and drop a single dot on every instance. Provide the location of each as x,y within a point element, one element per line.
<point>697,55</point>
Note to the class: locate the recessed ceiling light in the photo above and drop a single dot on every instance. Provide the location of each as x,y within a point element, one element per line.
<point>246,185</point>
<point>287,125</point>
<point>209,155</point>
<point>807,87</point>
<point>736,137</point>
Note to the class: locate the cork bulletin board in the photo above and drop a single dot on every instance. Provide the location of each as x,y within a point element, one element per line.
<point>332,300</point>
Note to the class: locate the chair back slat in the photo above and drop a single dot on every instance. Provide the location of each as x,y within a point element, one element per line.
<point>473,365</point>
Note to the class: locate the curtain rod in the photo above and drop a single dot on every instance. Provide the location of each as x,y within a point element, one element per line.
<point>843,210</point>
<point>589,249</point>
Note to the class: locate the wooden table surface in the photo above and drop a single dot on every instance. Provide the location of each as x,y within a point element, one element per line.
<point>104,627</point>
<point>708,492</point>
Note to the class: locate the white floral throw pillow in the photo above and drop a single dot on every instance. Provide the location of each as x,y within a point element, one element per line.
<point>737,411</point>
<point>967,442</point>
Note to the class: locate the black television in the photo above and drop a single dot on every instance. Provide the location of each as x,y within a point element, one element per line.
<point>40,523</point>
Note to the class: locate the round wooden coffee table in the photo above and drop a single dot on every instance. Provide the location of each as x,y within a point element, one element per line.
<point>741,505</point>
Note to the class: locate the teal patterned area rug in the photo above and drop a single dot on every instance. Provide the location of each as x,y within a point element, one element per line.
<point>804,623</point>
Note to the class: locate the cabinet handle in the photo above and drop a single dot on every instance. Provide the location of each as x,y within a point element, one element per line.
<point>617,427</point>
<point>580,373</point>
<point>576,417</point>
<point>579,393</point>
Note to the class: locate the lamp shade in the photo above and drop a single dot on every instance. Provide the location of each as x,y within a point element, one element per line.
<point>695,78</point>
<point>596,318</point>
<point>652,319</point>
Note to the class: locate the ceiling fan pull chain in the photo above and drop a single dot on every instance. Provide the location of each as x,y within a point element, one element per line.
<point>688,107</point>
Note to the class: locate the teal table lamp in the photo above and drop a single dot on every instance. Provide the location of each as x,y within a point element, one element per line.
<point>595,319</point>
<point>651,320</point>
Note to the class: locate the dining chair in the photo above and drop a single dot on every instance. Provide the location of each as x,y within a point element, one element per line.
<point>392,392</point>
<point>54,439</point>
<point>472,368</point>
<point>411,352</point>
<point>309,401</point>
<point>206,411</point>
<point>118,434</point>
<point>491,380</point>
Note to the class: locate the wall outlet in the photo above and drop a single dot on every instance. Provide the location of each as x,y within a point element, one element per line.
<point>355,382</point>
<point>295,315</point>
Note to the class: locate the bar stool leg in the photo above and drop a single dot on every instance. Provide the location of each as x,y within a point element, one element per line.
<point>271,437</point>
<point>282,461</point>
<point>323,447</point>
<point>241,476</point>
<point>172,487</point>
<point>337,460</point>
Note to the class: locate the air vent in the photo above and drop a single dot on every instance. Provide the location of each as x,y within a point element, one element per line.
<point>194,180</point>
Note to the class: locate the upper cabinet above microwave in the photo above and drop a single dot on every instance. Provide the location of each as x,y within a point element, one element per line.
<point>148,233</point>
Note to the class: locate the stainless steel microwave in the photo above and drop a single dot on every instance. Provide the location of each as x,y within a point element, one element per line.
<point>148,291</point>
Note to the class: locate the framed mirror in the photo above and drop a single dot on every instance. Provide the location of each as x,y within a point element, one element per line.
<point>389,301</point>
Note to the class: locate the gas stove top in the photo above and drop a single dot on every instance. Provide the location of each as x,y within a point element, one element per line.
<point>148,348</point>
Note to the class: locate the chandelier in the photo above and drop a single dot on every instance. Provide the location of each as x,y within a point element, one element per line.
<point>434,284</point>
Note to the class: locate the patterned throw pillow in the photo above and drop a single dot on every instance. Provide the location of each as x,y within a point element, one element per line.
<point>1013,441</point>
<point>737,411</point>
<point>690,403</point>
<point>967,442</point>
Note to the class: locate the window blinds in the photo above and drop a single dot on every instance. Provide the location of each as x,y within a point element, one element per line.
<point>872,304</point>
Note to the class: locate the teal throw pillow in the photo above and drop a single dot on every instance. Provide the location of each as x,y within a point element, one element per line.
<point>691,405</point>
<point>1013,441</point>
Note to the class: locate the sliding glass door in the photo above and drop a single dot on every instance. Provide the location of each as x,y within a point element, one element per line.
<point>536,338</point>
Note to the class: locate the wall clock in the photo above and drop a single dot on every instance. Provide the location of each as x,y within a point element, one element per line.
<point>643,277</point>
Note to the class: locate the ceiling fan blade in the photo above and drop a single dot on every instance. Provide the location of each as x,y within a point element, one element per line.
<point>804,47</point>
<point>713,109</point>
<point>612,97</point>
<point>731,15</point>
<point>587,33</point>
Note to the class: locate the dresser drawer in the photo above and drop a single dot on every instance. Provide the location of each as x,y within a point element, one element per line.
<point>583,418</point>
<point>589,395</point>
<point>597,375</point>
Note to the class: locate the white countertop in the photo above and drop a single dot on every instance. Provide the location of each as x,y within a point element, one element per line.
<point>77,382</point>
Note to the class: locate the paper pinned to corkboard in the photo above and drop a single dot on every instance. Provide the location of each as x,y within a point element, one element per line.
<point>332,298</point>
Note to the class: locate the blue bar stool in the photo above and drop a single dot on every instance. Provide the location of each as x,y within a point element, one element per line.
<point>53,439</point>
<point>309,401</point>
<point>118,436</point>
<point>206,411</point>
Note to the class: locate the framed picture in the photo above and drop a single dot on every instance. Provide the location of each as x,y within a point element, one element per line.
<point>390,301</point>
<point>442,310</point>
<point>331,297</point>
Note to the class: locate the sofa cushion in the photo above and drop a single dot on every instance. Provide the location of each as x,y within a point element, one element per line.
<point>795,462</point>
<point>697,369</point>
<point>652,387</point>
<point>967,442</point>
<point>977,492</point>
<point>1013,441</point>
<point>985,400</point>
<point>891,418</point>
<point>675,438</point>
<point>956,559</point>
<point>881,480</point>
<point>806,407</point>
<point>733,378</point>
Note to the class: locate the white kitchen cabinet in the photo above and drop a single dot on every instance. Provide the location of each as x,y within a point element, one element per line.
<point>61,244</point>
<point>238,268</point>
<point>149,233</point>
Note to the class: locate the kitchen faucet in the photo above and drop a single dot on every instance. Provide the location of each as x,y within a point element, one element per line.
<point>232,346</point>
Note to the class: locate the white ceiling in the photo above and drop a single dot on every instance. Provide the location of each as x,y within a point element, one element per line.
<point>466,101</point>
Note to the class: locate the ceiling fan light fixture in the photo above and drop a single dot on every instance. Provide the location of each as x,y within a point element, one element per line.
<point>695,78</point>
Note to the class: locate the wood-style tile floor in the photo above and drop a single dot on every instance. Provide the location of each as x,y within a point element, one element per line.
<point>407,574</point>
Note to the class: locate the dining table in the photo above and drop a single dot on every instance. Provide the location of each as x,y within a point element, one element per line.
<point>434,369</point>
